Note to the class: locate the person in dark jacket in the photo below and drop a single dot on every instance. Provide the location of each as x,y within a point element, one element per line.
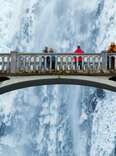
<point>45,62</point>
<point>45,50</point>
<point>78,60</point>
<point>51,51</point>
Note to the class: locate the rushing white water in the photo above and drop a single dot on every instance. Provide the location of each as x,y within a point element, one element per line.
<point>53,120</point>
<point>74,111</point>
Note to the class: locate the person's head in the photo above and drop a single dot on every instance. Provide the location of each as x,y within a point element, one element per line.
<point>51,50</point>
<point>112,44</point>
<point>45,49</point>
<point>78,46</point>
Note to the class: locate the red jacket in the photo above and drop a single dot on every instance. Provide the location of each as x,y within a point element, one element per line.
<point>78,58</point>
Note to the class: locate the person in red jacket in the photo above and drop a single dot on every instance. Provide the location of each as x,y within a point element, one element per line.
<point>78,60</point>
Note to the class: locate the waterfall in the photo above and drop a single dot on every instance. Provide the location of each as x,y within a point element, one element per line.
<point>51,120</point>
<point>74,111</point>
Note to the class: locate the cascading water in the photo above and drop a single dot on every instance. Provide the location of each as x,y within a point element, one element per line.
<point>54,120</point>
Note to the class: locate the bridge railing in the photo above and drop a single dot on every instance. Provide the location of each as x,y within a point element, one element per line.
<point>39,63</point>
<point>5,61</point>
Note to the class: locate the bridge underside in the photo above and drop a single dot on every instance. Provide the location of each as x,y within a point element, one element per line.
<point>11,83</point>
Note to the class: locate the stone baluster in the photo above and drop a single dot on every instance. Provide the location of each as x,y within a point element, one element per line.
<point>61,63</point>
<point>66,63</point>
<point>71,63</point>
<point>45,64</point>
<point>8,64</point>
<point>114,62</point>
<point>2,63</point>
<point>20,62</point>
<point>56,62</point>
<point>88,63</point>
<point>97,63</point>
<point>50,57</point>
<point>98,68</point>
<point>25,64</point>
<point>85,63</point>
<point>38,59</point>
<point>34,64</point>
<point>93,63</point>
<point>109,62</point>
<point>75,65</point>
<point>67,59</point>
<point>31,64</point>
<point>82,63</point>
<point>40,63</point>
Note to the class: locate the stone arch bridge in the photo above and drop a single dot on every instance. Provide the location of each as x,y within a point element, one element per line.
<point>20,70</point>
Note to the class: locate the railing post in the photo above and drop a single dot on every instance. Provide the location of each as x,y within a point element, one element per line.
<point>104,61</point>
<point>13,67</point>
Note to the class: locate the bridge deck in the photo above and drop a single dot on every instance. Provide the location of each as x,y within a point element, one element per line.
<point>64,73</point>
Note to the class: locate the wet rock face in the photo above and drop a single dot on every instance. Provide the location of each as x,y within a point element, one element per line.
<point>100,93</point>
<point>2,129</point>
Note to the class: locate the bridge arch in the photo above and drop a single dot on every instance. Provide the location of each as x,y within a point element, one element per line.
<point>13,83</point>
